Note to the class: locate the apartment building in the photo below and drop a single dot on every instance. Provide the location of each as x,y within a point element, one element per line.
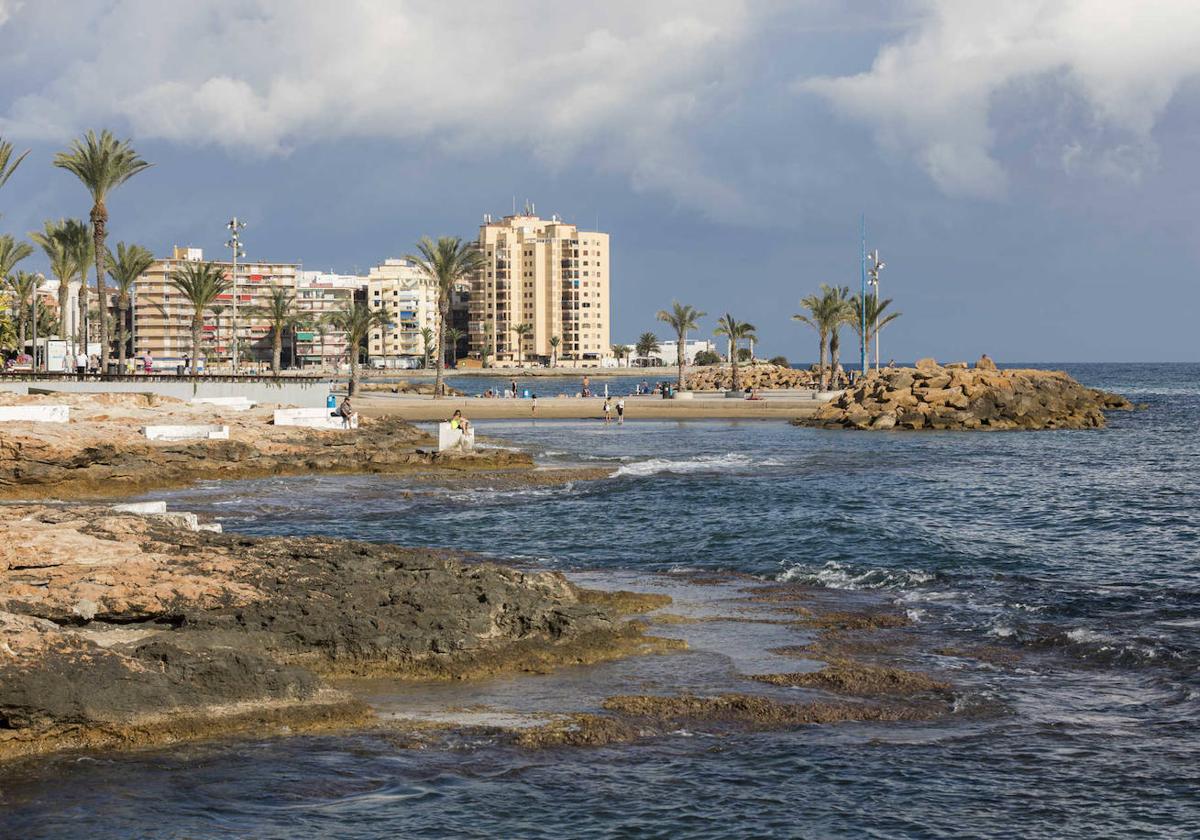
<point>162,317</point>
<point>318,295</point>
<point>410,299</point>
<point>545,274</point>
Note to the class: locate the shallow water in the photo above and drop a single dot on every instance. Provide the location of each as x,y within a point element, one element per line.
<point>1075,553</point>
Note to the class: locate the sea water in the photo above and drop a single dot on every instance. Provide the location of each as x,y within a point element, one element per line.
<point>1075,553</point>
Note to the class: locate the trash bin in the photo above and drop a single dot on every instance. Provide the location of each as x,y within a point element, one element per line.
<point>114,367</point>
<point>331,402</point>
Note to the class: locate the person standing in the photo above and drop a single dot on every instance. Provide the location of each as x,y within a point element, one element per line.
<point>534,408</point>
<point>587,387</point>
<point>81,363</point>
<point>513,386</point>
<point>620,411</point>
<point>607,411</point>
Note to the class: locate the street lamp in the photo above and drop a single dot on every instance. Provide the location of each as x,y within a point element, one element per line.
<point>875,265</point>
<point>235,245</point>
<point>39,279</point>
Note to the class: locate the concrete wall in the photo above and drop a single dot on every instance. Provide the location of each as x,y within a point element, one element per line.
<point>288,393</point>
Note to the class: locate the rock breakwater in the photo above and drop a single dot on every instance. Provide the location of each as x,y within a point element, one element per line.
<point>765,377</point>
<point>955,396</point>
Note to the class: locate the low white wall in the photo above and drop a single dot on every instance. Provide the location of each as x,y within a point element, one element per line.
<point>232,403</point>
<point>35,413</point>
<point>313,418</point>
<point>288,393</point>
<point>186,432</point>
<point>455,439</point>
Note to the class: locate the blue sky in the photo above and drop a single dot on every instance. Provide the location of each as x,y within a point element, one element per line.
<point>1028,173</point>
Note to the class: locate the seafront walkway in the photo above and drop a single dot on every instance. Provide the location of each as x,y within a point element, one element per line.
<point>421,407</point>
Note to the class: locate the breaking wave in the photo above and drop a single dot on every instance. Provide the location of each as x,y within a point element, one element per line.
<point>731,462</point>
<point>834,575</point>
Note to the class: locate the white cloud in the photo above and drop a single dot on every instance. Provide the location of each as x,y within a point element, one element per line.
<point>617,81</point>
<point>931,94</point>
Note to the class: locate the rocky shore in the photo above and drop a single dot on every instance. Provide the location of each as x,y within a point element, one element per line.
<point>760,376</point>
<point>118,630</point>
<point>958,397</point>
<point>102,451</point>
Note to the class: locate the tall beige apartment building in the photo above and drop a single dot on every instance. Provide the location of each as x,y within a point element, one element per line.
<point>549,275</point>
<point>410,299</point>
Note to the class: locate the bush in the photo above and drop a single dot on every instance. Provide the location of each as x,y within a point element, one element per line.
<point>781,361</point>
<point>744,355</point>
<point>706,357</point>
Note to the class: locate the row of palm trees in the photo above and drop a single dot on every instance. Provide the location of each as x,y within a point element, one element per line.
<point>684,318</point>
<point>102,163</point>
<point>833,308</point>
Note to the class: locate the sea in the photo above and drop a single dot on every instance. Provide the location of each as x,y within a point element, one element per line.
<point>1072,557</point>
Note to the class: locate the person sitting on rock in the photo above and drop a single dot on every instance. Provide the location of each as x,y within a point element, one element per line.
<point>459,422</point>
<point>346,412</point>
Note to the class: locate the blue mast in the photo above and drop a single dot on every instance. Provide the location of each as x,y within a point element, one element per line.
<point>862,297</point>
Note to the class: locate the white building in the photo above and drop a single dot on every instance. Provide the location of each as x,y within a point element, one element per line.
<point>410,300</point>
<point>667,354</point>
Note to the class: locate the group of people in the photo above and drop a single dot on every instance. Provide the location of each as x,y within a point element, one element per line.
<point>608,410</point>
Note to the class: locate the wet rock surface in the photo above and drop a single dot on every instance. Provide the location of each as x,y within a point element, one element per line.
<point>133,630</point>
<point>956,397</point>
<point>103,452</point>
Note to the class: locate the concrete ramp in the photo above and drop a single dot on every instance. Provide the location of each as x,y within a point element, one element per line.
<point>35,413</point>
<point>198,432</point>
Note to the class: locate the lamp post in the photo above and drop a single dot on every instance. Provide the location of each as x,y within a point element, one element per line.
<point>39,278</point>
<point>875,266</point>
<point>235,245</point>
<point>862,297</point>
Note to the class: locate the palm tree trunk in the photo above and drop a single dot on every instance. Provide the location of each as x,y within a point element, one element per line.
<point>64,303</point>
<point>353,387</point>
<point>733,365</point>
<point>835,343</point>
<point>123,334</point>
<point>443,313</point>
<point>824,339</point>
<point>277,350</point>
<point>21,332</point>
<point>99,233</point>
<point>82,310</point>
<point>680,357</point>
<point>197,324</point>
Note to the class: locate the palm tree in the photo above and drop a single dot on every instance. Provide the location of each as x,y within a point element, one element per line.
<point>446,263</point>
<point>280,312</point>
<point>619,351</point>
<point>7,165</point>
<point>102,163</point>
<point>521,331</point>
<point>128,264</point>
<point>21,286</point>
<point>555,341</point>
<point>736,330</point>
<point>53,241</point>
<point>453,337</point>
<point>485,349</point>
<point>647,343</point>
<point>78,244</point>
<point>427,338</point>
<point>200,283</point>
<point>12,251</point>
<point>681,318</point>
<point>876,317</point>
<point>357,320</point>
<point>217,310</point>
<point>826,314</point>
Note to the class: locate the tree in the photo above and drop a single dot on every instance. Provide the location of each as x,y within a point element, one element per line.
<point>826,314</point>
<point>736,331</point>
<point>7,165</point>
<point>446,263</point>
<point>427,338</point>
<point>647,343</point>
<point>681,318</point>
<point>620,351</point>
<point>522,331</point>
<point>54,240</point>
<point>357,320</point>
<point>453,337</point>
<point>12,251</point>
<point>705,358</point>
<point>555,341</point>
<point>321,325</point>
<point>21,287</point>
<point>101,163</point>
<point>217,310</point>
<point>128,264</point>
<point>877,316</point>
<point>200,283</point>
<point>280,312</point>
<point>485,348</point>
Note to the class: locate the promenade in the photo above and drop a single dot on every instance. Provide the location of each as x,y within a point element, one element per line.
<point>425,408</point>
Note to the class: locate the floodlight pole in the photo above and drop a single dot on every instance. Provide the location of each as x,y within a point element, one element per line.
<point>235,244</point>
<point>862,297</point>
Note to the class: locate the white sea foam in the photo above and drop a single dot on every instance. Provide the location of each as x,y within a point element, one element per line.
<point>834,575</point>
<point>730,462</point>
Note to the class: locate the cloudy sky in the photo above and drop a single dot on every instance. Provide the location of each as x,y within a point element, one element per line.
<point>1028,169</point>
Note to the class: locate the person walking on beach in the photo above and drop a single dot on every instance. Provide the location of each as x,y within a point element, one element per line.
<point>514,388</point>
<point>620,411</point>
<point>534,407</point>
<point>607,411</point>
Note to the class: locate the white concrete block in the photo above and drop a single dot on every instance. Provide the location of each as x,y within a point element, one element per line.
<point>198,432</point>
<point>450,439</point>
<point>231,403</point>
<point>215,527</point>
<point>313,418</point>
<point>141,507</point>
<point>188,521</point>
<point>35,413</point>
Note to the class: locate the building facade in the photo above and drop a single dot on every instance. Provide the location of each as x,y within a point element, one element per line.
<point>410,300</point>
<point>162,317</point>
<point>542,280</point>
<point>318,296</point>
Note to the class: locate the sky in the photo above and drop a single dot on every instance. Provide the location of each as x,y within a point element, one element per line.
<point>1028,169</point>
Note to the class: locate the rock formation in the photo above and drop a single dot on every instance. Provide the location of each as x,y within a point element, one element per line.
<point>117,629</point>
<point>953,396</point>
<point>766,377</point>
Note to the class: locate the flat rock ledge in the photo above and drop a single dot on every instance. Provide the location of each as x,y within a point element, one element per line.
<point>118,630</point>
<point>958,397</point>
